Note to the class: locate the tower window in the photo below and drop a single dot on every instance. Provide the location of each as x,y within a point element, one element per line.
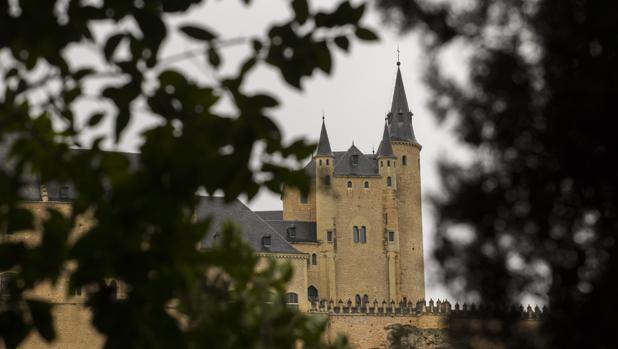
<point>365,300</point>
<point>357,299</point>
<point>291,298</point>
<point>349,184</point>
<point>391,236</point>
<point>363,235</point>
<point>314,259</point>
<point>312,293</point>
<point>355,234</point>
<point>389,181</point>
<point>327,180</point>
<point>366,184</point>
<point>327,162</point>
<point>355,160</point>
<point>329,236</point>
<point>266,241</point>
<point>404,160</point>
<point>320,162</point>
<point>381,163</point>
<point>388,163</point>
<point>304,198</point>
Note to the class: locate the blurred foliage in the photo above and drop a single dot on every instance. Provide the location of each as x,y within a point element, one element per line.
<point>145,234</point>
<point>535,210</point>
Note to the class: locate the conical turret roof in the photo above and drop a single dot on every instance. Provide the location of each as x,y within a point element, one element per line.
<point>400,116</point>
<point>324,144</point>
<point>386,148</point>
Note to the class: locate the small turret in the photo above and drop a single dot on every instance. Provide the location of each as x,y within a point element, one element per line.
<point>387,160</point>
<point>324,143</point>
<point>400,116</point>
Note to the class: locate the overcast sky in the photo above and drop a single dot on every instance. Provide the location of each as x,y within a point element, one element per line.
<point>354,99</point>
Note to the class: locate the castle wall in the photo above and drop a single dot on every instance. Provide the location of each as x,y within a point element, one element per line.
<point>294,210</point>
<point>361,268</point>
<point>412,272</point>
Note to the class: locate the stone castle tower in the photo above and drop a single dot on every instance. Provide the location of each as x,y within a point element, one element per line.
<point>361,222</point>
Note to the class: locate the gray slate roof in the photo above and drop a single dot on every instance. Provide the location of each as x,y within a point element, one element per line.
<point>345,166</point>
<point>305,231</point>
<point>253,227</point>
<point>386,148</point>
<point>400,116</point>
<point>270,215</point>
<point>324,143</point>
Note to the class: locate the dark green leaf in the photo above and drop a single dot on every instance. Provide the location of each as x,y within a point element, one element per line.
<point>366,34</point>
<point>42,319</point>
<point>198,33</point>
<point>342,42</point>
<point>213,57</point>
<point>301,10</point>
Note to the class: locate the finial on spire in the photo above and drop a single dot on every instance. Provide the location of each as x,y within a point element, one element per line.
<point>322,114</point>
<point>398,63</point>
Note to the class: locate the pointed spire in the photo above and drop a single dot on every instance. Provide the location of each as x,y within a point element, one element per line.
<point>324,144</point>
<point>386,148</point>
<point>400,116</point>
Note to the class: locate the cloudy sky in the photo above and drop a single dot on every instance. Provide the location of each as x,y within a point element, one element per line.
<point>354,99</point>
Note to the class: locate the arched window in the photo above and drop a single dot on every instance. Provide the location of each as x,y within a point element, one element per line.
<point>314,259</point>
<point>366,184</point>
<point>327,162</point>
<point>349,184</point>
<point>381,163</point>
<point>365,300</point>
<point>291,298</point>
<point>312,293</point>
<point>327,180</point>
<point>389,181</point>
<point>304,198</point>
<point>363,234</point>
<point>388,163</point>
<point>357,299</point>
<point>320,161</point>
<point>404,160</point>
<point>355,234</point>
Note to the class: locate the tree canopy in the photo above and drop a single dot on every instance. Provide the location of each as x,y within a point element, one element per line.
<point>145,234</point>
<point>535,210</point>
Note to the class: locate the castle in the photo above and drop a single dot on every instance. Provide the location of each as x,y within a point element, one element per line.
<point>355,241</point>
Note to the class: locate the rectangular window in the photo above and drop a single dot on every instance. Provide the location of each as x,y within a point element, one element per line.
<point>303,198</point>
<point>355,234</point>
<point>363,235</point>
<point>329,236</point>
<point>391,236</point>
<point>64,192</point>
<point>327,162</point>
<point>354,160</point>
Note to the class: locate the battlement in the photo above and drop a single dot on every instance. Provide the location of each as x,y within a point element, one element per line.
<point>422,307</point>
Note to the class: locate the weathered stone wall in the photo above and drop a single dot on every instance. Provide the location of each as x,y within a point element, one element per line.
<point>294,209</point>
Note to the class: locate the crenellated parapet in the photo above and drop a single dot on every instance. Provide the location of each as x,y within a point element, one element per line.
<point>422,307</point>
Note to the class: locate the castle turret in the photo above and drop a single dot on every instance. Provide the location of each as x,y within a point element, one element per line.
<point>407,150</point>
<point>324,161</point>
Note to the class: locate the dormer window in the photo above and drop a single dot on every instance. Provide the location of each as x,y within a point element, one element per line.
<point>355,160</point>
<point>266,241</point>
<point>366,184</point>
<point>291,232</point>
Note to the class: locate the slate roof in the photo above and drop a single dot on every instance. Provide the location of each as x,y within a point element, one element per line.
<point>386,148</point>
<point>345,165</point>
<point>305,231</point>
<point>270,215</point>
<point>324,143</point>
<point>400,116</point>
<point>253,227</point>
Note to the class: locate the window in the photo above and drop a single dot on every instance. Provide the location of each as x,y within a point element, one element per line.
<point>386,218</point>
<point>354,160</point>
<point>327,180</point>
<point>391,236</point>
<point>388,163</point>
<point>312,293</point>
<point>363,235</point>
<point>329,236</point>
<point>365,300</point>
<point>304,198</point>
<point>113,289</point>
<point>381,163</point>
<point>320,161</point>
<point>349,184</point>
<point>291,231</point>
<point>389,181</point>
<point>314,259</point>
<point>266,241</point>
<point>355,234</point>
<point>291,298</point>
<point>64,192</point>
<point>366,184</point>
<point>357,299</point>
<point>404,160</point>
<point>327,162</point>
